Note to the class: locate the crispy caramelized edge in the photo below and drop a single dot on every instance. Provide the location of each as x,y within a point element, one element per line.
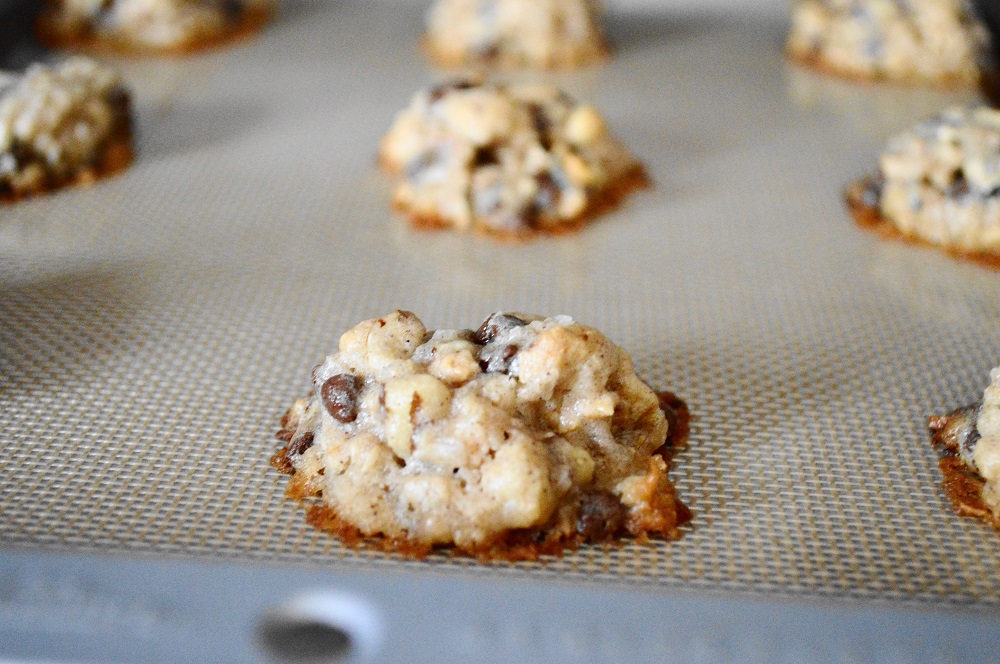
<point>603,201</point>
<point>963,485</point>
<point>515,545</point>
<point>871,218</point>
<point>116,155</point>
<point>50,35</point>
<point>446,59</point>
<point>814,61</point>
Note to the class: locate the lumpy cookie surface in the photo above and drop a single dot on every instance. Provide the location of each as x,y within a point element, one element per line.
<point>61,125</point>
<point>939,184</point>
<point>524,434</point>
<point>514,33</point>
<point>912,41</point>
<point>508,160</point>
<point>970,440</point>
<point>149,26</point>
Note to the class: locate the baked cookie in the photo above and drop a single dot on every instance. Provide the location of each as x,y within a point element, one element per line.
<point>939,42</point>
<point>970,442</point>
<point>523,437</point>
<point>149,26</point>
<point>516,33</point>
<point>62,125</point>
<point>939,184</point>
<point>509,160</point>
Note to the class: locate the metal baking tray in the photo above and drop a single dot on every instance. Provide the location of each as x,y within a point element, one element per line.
<point>155,326</point>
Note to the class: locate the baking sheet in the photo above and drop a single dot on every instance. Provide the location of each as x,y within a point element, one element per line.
<point>153,328</point>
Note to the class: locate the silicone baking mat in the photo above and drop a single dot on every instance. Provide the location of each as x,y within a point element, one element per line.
<point>155,326</point>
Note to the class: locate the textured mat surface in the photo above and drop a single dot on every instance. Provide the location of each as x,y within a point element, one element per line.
<point>153,328</point>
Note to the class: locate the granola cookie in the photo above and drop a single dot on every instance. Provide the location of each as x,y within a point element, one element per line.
<point>524,436</point>
<point>62,125</point>
<point>508,160</point>
<point>516,33</point>
<point>939,184</point>
<point>913,41</point>
<point>970,440</point>
<point>149,26</point>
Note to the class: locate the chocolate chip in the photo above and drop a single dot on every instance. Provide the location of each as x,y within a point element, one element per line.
<point>496,323</point>
<point>542,125</point>
<point>959,187</point>
<point>120,100</point>
<point>21,152</point>
<point>490,51</point>
<point>549,192</point>
<point>300,444</point>
<point>871,196</point>
<point>340,396</point>
<point>601,515</point>
<point>497,358</point>
<point>439,91</point>
<point>233,9</point>
<point>101,15</point>
<point>485,156</point>
<point>528,216</point>
<point>488,203</point>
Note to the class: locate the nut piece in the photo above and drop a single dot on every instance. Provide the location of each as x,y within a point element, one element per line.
<point>410,400</point>
<point>585,125</point>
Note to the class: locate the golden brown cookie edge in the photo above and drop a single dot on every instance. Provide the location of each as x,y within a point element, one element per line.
<point>872,219</point>
<point>49,35</point>
<point>512,546</point>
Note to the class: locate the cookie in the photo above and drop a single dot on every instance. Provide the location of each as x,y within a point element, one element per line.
<point>507,160</point>
<point>62,125</point>
<point>939,42</point>
<point>523,437</point>
<point>969,439</point>
<point>939,184</point>
<point>138,27</point>
<point>515,33</point>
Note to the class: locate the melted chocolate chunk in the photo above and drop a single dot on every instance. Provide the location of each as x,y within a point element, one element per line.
<point>300,444</point>
<point>497,358</point>
<point>601,516</point>
<point>340,396</point>
<point>485,156</point>
<point>956,432</point>
<point>496,323</point>
<point>21,153</point>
